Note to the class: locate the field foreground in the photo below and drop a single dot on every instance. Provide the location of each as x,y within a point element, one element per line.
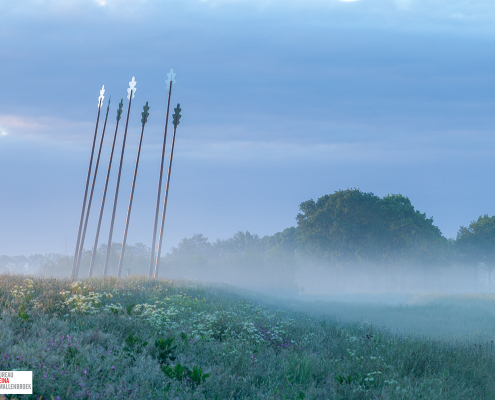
<point>140,338</point>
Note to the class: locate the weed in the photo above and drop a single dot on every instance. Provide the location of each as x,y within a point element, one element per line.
<point>165,350</point>
<point>183,373</point>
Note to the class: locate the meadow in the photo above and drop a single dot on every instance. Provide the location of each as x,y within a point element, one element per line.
<point>139,338</point>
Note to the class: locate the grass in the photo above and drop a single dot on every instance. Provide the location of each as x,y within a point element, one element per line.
<point>140,338</point>
<point>468,318</point>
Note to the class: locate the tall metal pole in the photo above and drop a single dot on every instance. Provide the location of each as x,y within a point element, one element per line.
<point>90,200</point>
<point>95,245</point>
<point>74,262</point>
<point>145,114</point>
<point>171,75</point>
<point>176,118</point>
<point>131,92</point>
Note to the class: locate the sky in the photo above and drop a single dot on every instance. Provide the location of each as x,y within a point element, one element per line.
<point>282,101</point>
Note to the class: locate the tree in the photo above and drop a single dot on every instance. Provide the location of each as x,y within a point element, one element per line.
<point>197,245</point>
<point>280,260</point>
<point>410,237</point>
<point>476,244</point>
<point>238,244</point>
<point>56,265</point>
<point>350,227</point>
<point>342,228</point>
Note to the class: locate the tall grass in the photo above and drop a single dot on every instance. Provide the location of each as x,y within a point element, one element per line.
<point>140,338</point>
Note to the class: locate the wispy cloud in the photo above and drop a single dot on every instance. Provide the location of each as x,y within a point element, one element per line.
<point>215,16</point>
<point>42,128</point>
<point>432,147</point>
<point>21,123</point>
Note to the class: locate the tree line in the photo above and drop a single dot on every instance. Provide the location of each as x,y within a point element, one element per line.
<point>342,231</point>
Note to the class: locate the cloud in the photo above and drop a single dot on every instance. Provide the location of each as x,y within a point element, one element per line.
<point>18,122</point>
<point>403,3</point>
<point>398,14</point>
<point>42,128</point>
<point>458,16</point>
<point>431,147</point>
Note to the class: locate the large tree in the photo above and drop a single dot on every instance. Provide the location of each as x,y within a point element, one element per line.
<point>350,227</point>
<point>410,238</point>
<point>476,244</point>
<point>342,228</point>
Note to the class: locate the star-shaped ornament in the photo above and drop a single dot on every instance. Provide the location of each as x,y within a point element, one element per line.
<point>132,87</point>
<point>100,99</point>
<point>171,78</point>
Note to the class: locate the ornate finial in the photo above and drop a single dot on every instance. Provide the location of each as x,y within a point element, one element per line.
<point>100,99</point>
<point>132,88</point>
<point>177,115</point>
<point>171,78</point>
<point>119,111</point>
<point>145,114</point>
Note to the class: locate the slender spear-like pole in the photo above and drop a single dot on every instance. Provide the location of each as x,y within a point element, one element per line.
<point>145,114</point>
<point>74,262</point>
<point>176,118</point>
<point>131,92</point>
<point>95,245</point>
<point>90,200</point>
<point>171,75</point>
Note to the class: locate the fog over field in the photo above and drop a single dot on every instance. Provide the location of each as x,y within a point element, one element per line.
<point>353,257</point>
<point>330,223</point>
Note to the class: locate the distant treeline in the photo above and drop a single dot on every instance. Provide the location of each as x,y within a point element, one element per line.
<point>244,259</point>
<point>344,231</point>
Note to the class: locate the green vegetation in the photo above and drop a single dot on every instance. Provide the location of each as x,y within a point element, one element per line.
<point>139,338</point>
<point>475,245</point>
<point>172,339</point>
<point>352,227</point>
<point>348,234</point>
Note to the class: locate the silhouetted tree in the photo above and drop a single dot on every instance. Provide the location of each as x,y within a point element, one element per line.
<point>476,244</point>
<point>351,227</point>
<point>342,228</point>
<point>409,237</point>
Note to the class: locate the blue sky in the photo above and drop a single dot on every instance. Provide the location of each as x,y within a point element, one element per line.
<point>282,101</point>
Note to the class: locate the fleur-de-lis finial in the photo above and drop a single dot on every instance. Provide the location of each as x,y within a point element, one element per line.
<point>119,111</point>
<point>171,78</point>
<point>145,114</point>
<point>176,116</point>
<point>132,88</point>
<point>100,99</point>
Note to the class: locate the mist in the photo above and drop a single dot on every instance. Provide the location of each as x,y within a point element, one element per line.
<point>353,256</point>
<point>329,228</point>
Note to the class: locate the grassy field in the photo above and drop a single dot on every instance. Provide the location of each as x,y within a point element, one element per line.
<point>156,339</point>
<point>468,318</point>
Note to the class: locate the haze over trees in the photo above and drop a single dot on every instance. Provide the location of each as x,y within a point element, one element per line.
<point>383,242</point>
<point>475,245</point>
<point>350,227</point>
